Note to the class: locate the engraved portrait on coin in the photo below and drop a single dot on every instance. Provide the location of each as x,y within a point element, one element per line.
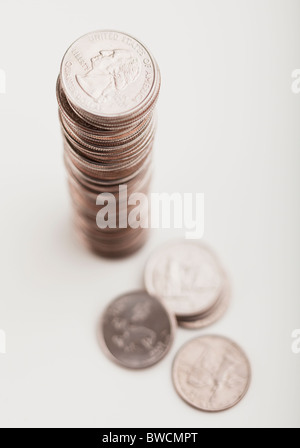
<point>108,74</point>
<point>111,72</point>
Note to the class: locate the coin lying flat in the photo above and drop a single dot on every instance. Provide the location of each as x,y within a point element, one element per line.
<point>212,316</point>
<point>136,330</point>
<point>186,276</point>
<point>211,373</point>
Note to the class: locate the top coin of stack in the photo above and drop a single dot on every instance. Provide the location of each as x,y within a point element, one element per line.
<point>107,91</point>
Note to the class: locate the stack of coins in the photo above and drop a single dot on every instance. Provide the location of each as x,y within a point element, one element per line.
<point>188,277</point>
<point>107,91</point>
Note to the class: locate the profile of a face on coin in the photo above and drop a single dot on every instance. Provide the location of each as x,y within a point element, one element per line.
<point>136,330</point>
<point>108,74</point>
<point>111,72</point>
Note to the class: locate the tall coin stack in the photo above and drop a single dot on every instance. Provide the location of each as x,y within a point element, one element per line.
<point>107,91</point>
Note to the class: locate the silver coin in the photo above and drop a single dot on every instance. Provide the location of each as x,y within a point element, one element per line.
<point>136,330</point>
<point>186,276</point>
<point>211,316</point>
<point>107,91</point>
<point>211,373</point>
<point>108,74</point>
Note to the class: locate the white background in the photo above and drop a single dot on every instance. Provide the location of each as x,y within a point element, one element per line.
<point>229,128</point>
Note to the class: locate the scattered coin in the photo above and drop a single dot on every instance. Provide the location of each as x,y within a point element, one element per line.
<point>136,330</point>
<point>211,373</point>
<point>107,91</point>
<point>189,279</point>
<point>212,316</point>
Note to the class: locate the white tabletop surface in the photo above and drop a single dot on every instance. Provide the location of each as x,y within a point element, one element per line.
<point>228,128</point>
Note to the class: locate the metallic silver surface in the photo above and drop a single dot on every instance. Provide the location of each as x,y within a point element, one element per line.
<point>109,74</point>
<point>106,92</point>
<point>186,276</point>
<point>211,316</point>
<point>211,373</point>
<point>136,330</point>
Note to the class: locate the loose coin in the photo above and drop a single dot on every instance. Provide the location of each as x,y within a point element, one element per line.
<point>186,276</point>
<point>136,330</point>
<point>211,373</point>
<point>211,316</point>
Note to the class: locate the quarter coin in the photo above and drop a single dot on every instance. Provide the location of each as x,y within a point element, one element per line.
<point>211,373</point>
<point>107,91</point>
<point>210,317</point>
<point>109,75</point>
<point>186,276</point>
<point>136,330</point>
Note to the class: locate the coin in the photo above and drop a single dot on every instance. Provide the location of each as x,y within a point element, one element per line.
<point>108,74</point>
<point>186,276</point>
<point>210,317</point>
<point>136,330</point>
<point>211,373</point>
<point>107,91</point>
